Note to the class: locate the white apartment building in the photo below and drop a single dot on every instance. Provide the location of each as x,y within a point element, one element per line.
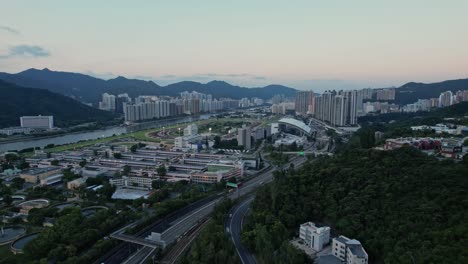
<point>349,250</point>
<point>43,122</point>
<point>108,102</point>
<point>313,236</point>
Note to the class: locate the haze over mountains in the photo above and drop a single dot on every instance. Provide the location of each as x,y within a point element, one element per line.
<point>86,88</point>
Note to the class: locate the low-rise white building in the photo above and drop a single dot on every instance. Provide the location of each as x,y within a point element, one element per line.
<point>186,141</point>
<point>76,183</point>
<point>349,250</point>
<point>15,130</point>
<point>42,122</point>
<point>132,182</point>
<point>191,130</point>
<point>313,236</point>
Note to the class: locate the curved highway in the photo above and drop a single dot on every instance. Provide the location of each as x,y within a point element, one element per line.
<point>233,226</point>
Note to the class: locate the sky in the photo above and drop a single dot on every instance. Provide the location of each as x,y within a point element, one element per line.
<point>310,45</point>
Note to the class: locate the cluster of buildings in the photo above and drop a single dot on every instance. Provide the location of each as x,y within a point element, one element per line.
<point>247,136</point>
<point>446,147</point>
<point>142,164</point>
<point>190,140</point>
<point>379,107</point>
<point>282,108</point>
<point>344,250</point>
<point>114,103</point>
<point>443,128</point>
<point>150,107</point>
<point>29,124</point>
<point>340,108</point>
<point>445,99</point>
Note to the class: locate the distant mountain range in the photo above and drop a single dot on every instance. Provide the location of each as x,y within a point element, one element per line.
<point>412,91</point>
<point>89,89</point>
<point>86,88</point>
<point>18,101</point>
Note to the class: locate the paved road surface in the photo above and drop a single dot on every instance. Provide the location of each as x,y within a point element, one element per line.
<point>234,225</point>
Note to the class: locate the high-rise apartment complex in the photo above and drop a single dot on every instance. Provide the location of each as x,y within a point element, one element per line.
<point>446,99</point>
<point>243,137</point>
<point>108,102</point>
<point>339,109</point>
<point>149,107</point>
<point>385,94</point>
<point>305,102</point>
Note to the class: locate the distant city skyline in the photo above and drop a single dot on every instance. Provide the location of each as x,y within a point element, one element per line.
<point>308,46</point>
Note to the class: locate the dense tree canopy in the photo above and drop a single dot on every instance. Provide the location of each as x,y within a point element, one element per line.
<point>404,206</point>
<point>213,245</point>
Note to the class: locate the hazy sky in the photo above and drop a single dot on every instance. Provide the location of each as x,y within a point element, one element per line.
<point>304,44</point>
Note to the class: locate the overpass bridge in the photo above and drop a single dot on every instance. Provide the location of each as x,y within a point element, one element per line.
<point>136,240</point>
<point>303,153</point>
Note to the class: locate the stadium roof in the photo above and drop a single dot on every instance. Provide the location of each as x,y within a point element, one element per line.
<point>296,123</point>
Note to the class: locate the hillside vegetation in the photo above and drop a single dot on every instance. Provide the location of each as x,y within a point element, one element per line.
<point>18,101</point>
<point>404,206</point>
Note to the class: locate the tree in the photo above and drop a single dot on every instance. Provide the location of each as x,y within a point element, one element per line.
<point>367,137</point>
<point>7,199</point>
<point>107,190</point>
<point>23,165</point>
<point>126,170</point>
<point>117,155</point>
<point>134,148</point>
<point>158,184</point>
<point>161,170</point>
<point>54,162</point>
<point>17,183</point>
<point>82,163</point>
<point>217,142</point>
<point>11,157</point>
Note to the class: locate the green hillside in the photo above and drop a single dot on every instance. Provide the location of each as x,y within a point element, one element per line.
<point>404,206</point>
<point>18,101</point>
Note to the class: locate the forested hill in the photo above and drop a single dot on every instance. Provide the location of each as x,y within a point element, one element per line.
<point>404,206</point>
<point>18,101</point>
<point>89,89</point>
<point>412,91</point>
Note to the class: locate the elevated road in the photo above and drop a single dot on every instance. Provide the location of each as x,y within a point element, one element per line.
<point>167,230</point>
